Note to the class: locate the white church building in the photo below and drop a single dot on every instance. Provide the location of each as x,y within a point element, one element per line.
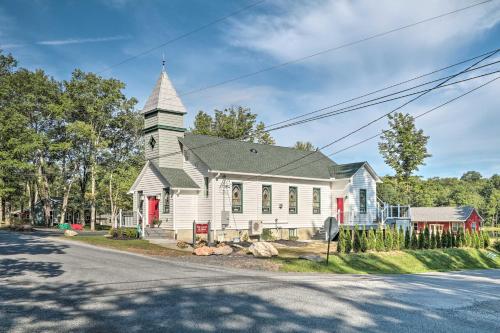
<point>241,187</point>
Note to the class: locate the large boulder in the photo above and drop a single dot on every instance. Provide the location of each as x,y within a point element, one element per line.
<point>223,250</point>
<point>203,251</point>
<point>27,227</point>
<point>70,233</point>
<point>263,250</point>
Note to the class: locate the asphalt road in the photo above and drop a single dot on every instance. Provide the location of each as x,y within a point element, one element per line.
<point>53,286</point>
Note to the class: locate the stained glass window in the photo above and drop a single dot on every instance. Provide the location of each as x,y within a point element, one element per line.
<point>316,201</point>
<point>266,199</point>
<point>292,200</point>
<point>237,198</point>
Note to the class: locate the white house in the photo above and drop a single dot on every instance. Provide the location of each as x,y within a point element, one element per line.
<point>233,183</point>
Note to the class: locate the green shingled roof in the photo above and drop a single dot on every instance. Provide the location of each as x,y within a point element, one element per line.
<point>177,178</point>
<point>245,157</point>
<point>340,171</point>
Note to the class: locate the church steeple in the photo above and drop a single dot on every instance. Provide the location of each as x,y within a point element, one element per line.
<point>163,124</point>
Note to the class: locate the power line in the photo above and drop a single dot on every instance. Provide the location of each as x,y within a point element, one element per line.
<point>220,19</point>
<point>416,117</point>
<point>380,117</point>
<point>363,105</point>
<point>335,48</point>
<point>388,87</point>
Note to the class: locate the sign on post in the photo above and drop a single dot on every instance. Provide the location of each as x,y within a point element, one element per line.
<point>201,228</point>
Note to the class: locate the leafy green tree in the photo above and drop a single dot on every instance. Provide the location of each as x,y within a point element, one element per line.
<point>341,241</point>
<point>388,239</point>
<point>364,240</point>
<point>237,123</point>
<point>471,176</point>
<point>304,145</point>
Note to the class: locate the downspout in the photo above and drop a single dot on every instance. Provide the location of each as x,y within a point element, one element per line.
<point>175,194</point>
<point>213,204</point>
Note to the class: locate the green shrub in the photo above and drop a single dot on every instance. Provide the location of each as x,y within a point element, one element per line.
<point>438,240</point>
<point>445,239</point>
<point>267,235</point>
<point>348,241</point>
<point>123,233</point>
<point>388,239</point>
<point>341,241</point>
<point>453,241</point>
<point>356,245</point>
<point>379,242</point>
<point>427,238</point>
<point>414,241</point>
<point>481,240</point>
<point>401,238</point>
<point>421,240</point>
<point>407,238</point>
<point>487,240</point>
<point>432,244</point>
<point>364,240</point>
<point>372,240</point>
<point>496,245</point>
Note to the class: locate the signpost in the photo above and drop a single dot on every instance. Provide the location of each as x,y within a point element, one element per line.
<point>202,229</point>
<point>329,240</point>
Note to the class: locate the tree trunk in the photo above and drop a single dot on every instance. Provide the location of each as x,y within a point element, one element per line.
<point>44,192</point>
<point>64,206</point>
<point>1,210</point>
<point>92,193</point>
<point>111,202</point>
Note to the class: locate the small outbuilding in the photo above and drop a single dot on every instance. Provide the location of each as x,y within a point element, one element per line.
<point>446,218</point>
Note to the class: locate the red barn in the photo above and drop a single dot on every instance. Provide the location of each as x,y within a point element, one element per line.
<point>445,218</point>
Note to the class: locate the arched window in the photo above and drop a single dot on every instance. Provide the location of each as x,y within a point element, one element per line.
<point>237,198</point>
<point>292,200</point>
<point>316,201</point>
<point>266,199</point>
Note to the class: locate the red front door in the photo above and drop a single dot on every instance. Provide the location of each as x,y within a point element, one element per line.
<point>340,210</point>
<point>153,209</point>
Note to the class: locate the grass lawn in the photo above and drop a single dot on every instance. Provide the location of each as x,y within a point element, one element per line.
<point>132,245</point>
<point>397,262</point>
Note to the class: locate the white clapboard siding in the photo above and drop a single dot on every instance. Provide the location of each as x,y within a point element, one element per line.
<point>252,203</point>
<point>151,185</point>
<point>340,189</point>
<point>185,209</point>
<point>197,170</point>
<point>362,179</point>
<point>164,118</point>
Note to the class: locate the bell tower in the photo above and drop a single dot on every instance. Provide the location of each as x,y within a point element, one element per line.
<point>163,124</point>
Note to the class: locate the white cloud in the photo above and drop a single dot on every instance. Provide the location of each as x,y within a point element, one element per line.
<point>81,40</point>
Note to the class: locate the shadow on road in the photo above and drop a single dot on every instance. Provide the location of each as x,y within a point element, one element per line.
<point>12,243</point>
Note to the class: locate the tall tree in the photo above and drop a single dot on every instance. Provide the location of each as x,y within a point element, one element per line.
<point>304,145</point>
<point>237,123</point>
<point>403,147</point>
<point>471,176</point>
<point>95,102</point>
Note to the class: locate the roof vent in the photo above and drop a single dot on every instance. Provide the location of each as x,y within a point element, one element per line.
<point>253,150</point>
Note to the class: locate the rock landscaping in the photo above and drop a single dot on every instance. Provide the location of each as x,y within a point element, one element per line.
<point>263,250</point>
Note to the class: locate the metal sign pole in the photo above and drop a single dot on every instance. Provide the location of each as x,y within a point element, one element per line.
<point>194,233</point>
<point>329,240</point>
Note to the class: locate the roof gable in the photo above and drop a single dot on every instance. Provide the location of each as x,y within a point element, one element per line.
<point>253,158</point>
<point>341,171</point>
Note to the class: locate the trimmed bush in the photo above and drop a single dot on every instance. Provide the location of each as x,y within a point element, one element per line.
<point>388,239</point>
<point>401,238</point>
<point>348,241</point>
<point>356,244</point>
<point>427,238</point>
<point>372,240</point>
<point>123,233</point>
<point>438,240</point>
<point>407,238</point>
<point>432,244</point>
<point>341,241</point>
<point>487,240</point>
<point>364,240</point>
<point>414,241</point>
<point>379,243</point>
<point>421,240</point>
<point>496,245</point>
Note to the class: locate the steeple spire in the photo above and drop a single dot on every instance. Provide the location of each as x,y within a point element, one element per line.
<point>164,97</point>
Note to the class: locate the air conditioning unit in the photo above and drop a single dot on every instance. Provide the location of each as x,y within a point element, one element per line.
<point>255,228</point>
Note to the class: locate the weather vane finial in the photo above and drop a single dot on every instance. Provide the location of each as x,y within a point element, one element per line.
<point>163,62</point>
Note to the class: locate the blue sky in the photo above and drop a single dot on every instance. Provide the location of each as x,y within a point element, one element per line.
<point>60,36</point>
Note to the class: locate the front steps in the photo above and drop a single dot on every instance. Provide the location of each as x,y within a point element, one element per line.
<point>158,233</point>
